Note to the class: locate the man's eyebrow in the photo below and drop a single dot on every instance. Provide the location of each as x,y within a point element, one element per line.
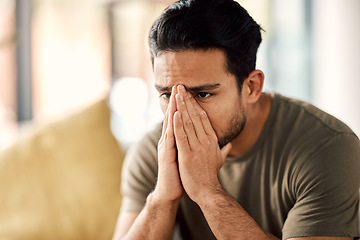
<point>205,87</point>
<point>162,89</point>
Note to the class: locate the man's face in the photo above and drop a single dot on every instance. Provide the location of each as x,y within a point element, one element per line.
<point>204,75</point>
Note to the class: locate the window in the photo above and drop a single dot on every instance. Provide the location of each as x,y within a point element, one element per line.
<point>8,125</point>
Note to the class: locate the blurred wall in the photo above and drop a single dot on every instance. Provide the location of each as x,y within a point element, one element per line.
<point>336,51</point>
<point>70,55</point>
<point>8,124</point>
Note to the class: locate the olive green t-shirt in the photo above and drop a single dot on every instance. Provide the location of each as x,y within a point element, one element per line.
<point>301,177</point>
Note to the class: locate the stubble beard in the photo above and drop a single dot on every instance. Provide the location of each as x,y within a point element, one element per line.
<point>236,126</point>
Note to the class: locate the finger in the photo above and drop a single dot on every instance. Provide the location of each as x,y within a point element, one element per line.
<point>208,129</point>
<point>225,151</point>
<point>170,110</point>
<point>172,101</point>
<point>164,126</point>
<point>181,137</point>
<point>195,116</point>
<point>187,123</point>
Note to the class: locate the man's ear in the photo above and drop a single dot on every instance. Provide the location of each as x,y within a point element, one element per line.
<point>254,85</point>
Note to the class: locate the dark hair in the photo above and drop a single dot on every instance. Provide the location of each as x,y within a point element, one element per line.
<point>206,24</point>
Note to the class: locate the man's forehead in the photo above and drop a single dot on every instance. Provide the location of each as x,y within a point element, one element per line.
<point>191,80</point>
<point>195,70</point>
<point>189,59</point>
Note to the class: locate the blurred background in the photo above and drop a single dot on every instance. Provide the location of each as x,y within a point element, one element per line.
<point>58,56</point>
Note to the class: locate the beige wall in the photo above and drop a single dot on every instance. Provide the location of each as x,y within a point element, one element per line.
<point>8,125</point>
<point>337,59</point>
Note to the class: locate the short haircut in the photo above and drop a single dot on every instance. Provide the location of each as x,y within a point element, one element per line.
<point>208,24</point>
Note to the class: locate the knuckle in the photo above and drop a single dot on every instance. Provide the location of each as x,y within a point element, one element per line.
<point>182,136</point>
<point>189,123</point>
<point>203,114</point>
<point>194,115</point>
<point>166,116</point>
<point>208,143</point>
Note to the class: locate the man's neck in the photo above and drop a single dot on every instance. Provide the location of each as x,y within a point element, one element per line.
<point>256,119</point>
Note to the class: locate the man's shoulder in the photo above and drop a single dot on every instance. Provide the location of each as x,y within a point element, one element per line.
<point>139,171</point>
<point>300,130</point>
<point>309,116</point>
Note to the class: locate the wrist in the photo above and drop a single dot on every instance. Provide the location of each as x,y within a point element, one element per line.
<point>157,200</point>
<point>210,195</point>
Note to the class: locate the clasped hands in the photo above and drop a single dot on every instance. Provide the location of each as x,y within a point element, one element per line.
<point>188,152</point>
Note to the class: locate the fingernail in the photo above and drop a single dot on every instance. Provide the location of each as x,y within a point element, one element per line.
<point>182,88</point>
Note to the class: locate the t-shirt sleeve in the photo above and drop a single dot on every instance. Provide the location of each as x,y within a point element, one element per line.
<point>139,172</point>
<point>326,189</point>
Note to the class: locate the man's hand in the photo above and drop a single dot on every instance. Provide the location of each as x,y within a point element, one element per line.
<point>169,187</point>
<point>200,160</point>
<point>199,155</point>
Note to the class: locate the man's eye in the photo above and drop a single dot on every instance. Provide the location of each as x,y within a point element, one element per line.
<point>165,95</point>
<point>203,95</point>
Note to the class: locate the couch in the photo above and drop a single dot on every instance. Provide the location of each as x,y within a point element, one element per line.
<point>62,180</point>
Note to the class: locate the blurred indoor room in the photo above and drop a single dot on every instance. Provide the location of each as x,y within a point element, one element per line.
<point>76,90</point>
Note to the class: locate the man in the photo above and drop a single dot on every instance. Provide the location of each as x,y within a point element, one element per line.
<point>231,162</point>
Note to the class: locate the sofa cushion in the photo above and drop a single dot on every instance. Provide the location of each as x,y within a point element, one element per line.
<point>62,181</point>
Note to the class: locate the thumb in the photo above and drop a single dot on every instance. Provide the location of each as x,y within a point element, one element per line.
<point>225,151</point>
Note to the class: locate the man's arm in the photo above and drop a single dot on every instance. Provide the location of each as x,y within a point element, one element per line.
<point>124,223</point>
<point>157,219</point>
<point>236,221</point>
